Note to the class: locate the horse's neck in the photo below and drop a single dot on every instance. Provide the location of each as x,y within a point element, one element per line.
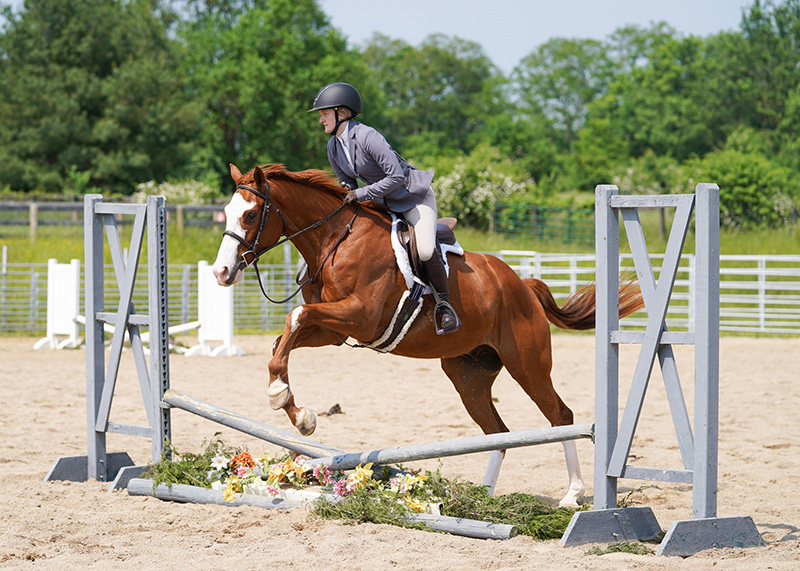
<point>302,214</point>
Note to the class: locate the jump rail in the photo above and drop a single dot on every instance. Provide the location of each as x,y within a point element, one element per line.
<point>457,447</point>
<point>241,423</point>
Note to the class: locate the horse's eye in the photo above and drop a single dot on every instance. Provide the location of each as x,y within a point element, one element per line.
<point>250,217</point>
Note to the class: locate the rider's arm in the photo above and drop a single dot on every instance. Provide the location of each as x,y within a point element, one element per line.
<point>375,145</point>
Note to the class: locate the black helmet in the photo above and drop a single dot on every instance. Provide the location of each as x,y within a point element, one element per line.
<point>338,95</point>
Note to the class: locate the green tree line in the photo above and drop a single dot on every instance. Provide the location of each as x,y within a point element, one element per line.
<point>112,94</point>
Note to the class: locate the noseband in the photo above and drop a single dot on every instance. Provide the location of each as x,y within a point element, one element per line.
<point>243,263</point>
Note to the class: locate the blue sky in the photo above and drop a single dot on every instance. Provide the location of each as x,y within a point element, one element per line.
<point>509,30</point>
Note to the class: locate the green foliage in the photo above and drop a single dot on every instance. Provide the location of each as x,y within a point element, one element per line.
<point>558,81</point>
<point>79,183</point>
<point>528,513</point>
<point>90,84</point>
<point>187,467</point>
<point>436,96</point>
<point>634,548</point>
<point>459,499</point>
<point>753,190</point>
<point>366,506</point>
<point>475,184</point>
<point>186,192</point>
<point>255,67</point>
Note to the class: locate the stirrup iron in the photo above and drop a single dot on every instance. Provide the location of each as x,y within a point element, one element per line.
<point>441,306</point>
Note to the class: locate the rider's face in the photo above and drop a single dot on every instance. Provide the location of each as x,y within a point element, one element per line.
<point>328,119</point>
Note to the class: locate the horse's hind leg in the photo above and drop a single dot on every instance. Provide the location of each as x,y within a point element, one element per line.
<point>531,369</point>
<point>473,376</point>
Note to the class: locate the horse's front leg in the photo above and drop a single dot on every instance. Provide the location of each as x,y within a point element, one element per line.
<point>312,324</point>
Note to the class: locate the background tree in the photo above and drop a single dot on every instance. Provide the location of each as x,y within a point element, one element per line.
<point>91,85</point>
<point>437,96</point>
<point>255,65</point>
<point>557,82</point>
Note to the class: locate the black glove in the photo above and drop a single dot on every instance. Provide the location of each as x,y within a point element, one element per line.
<point>350,197</point>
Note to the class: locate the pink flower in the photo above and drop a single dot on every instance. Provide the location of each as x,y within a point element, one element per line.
<point>241,471</point>
<point>271,490</point>
<point>340,488</point>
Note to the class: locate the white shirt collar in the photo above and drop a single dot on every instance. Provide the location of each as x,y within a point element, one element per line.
<point>345,145</point>
<point>343,136</point>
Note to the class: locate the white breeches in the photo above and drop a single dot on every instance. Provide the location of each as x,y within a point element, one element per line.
<point>423,218</point>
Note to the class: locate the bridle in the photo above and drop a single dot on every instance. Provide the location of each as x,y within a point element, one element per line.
<point>242,262</point>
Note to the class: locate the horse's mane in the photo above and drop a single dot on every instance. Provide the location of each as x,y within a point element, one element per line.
<point>310,177</point>
<point>316,178</point>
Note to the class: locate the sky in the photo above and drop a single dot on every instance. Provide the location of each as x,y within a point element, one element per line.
<point>508,30</point>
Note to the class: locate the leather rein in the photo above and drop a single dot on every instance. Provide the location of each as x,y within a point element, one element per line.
<point>243,263</point>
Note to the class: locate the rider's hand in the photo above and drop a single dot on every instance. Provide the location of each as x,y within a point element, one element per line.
<point>350,197</point>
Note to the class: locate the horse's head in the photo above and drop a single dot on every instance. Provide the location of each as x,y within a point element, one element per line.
<point>249,229</point>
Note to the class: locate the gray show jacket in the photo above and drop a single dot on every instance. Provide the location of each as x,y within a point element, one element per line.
<point>388,176</point>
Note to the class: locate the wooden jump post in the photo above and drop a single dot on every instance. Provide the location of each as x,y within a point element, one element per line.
<point>607,523</point>
<point>148,220</point>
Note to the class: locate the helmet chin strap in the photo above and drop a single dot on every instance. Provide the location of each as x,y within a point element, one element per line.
<point>338,122</point>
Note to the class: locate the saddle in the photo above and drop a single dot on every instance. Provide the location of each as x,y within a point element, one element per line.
<point>410,303</point>
<point>445,234</point>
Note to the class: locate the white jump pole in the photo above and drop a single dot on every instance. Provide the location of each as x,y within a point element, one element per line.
<point>457,447</point>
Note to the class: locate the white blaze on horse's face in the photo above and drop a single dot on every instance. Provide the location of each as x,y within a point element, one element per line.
<point>229,248</point>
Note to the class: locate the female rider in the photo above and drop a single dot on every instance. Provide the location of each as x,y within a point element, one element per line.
<point>358,151</point>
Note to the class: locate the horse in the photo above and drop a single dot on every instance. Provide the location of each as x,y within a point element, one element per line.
<point>353,286</point>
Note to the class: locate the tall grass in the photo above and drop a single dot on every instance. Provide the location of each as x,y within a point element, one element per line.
<point>201,243</point>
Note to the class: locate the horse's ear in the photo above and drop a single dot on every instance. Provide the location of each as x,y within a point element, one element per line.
<point>259,178</point>
<point>236,174</point>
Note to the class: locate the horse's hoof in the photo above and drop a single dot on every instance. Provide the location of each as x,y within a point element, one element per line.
<point>571,499</point>
<point>306,422</point>
<point>278,393</point>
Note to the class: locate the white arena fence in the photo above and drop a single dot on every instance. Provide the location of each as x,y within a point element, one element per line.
<point>759,294</point>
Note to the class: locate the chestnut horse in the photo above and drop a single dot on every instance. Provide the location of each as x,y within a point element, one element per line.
<point>357,286</point>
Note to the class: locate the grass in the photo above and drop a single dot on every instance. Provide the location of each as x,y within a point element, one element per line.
<point>201,243</point>
<point>187,467</point>
<point>633,547</point>
<point>529,514</point>
<point>377,504</point>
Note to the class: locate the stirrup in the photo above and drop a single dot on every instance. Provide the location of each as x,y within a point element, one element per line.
<point>442,306</point>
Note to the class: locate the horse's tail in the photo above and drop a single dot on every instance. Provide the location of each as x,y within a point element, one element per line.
<point>578,312</point>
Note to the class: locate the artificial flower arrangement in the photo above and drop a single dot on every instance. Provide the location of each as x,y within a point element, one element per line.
<point>265,475</point>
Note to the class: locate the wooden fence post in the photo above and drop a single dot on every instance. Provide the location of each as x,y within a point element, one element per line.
<point>33,220</point>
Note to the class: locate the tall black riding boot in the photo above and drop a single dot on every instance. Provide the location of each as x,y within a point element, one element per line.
<point>445,317</point>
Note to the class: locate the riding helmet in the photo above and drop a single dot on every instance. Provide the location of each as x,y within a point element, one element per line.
<point>338,95</point>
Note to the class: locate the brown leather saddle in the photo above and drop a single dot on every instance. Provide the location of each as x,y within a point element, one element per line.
<point>445,234</point>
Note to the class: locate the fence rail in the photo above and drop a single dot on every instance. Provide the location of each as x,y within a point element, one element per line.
<point>759,294</point>
<point>35,214</point>
<point>568,225</point>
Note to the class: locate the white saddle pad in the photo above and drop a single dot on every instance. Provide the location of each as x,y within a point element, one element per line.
<point>405,265</point>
